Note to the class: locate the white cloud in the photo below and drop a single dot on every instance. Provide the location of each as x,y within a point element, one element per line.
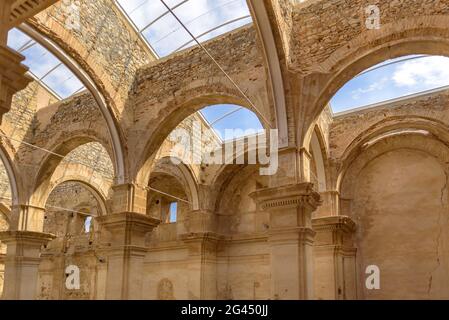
<point>428,71</point>
<point>376,86</point>
<point>167,35</point>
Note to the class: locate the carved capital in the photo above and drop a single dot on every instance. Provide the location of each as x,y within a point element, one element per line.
<point>128,228</point>
<point>334,230</point>
<point>25,245</point>
<point>290,196</point>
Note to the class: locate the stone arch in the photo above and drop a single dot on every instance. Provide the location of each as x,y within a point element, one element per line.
<point>94,85</point>
<point>184,173</point>
<point>317,147</point>
<point>43,180</point>
<point>355,162</point>
<point>98,194</point>
<point>193,101</point>
<point>421,35</point>
<point>437,130</point>
<point>396,191</point>
<point>11,171</point>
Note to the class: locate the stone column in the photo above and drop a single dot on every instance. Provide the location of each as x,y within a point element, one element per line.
<point>335,258</point>
<point>22,263</point>
<point>290,238</point>
<point>125,252</point>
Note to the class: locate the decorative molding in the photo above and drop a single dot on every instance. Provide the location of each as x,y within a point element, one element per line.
<point>24,9</point>
<point>334,223</point>
<point>13,77</point>
<point>26,237</point>
<point>294,195</point>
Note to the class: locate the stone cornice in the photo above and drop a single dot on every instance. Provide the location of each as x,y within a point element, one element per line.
<point>293,195</point>
<point>28,237</point>
<point>119,220</point>
<point>334,223</point>
<point>203,236</point>
<point>13,76</point>
<point>302,234</point>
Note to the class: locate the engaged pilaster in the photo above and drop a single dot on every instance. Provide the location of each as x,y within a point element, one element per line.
<point>23,257</point>
<point>335,258</point>
<point>290,238</point>
<point>126,233</point>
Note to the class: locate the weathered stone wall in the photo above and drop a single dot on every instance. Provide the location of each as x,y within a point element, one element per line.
<point>72,245</point>
<point>19,121</point>
<point>321,27</point>
<point>105,44</point>
<point>169,90</point>
<point>350,128</point>
<point>400,205</point>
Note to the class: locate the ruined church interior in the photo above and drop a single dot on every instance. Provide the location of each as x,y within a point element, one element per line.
<point>342,104</point>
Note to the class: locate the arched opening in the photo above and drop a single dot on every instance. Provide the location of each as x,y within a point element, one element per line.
<point>387,140</point>
<point>84,160</point>
<point>63,78</point>
<point>168,201</point>
<point>391,80</point>
<point>71,211</point>
<point>9,197</point>
<point>201,137</point>
<point>72,207</point>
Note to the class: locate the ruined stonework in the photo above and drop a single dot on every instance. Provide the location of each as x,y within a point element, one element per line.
<point>89,180</point>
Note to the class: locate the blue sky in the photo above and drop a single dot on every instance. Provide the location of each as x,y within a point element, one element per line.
<point>379,83</point>
<point>404,77</point>
<point>61,80</point>
<point>173,211</point>
<point>242,119</point>
<point>166,35</point>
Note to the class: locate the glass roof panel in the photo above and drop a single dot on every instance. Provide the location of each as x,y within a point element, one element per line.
<point>392,79</point>
<point>206,19</point>
<point>228,116</point>
<point>44,66</point>
<point>63,82</point>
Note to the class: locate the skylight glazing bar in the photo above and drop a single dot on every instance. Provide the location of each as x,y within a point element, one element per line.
<point>212,30</point>
<point>43,84</point>
<point>131,22</point>
<point>196,18</point>
<point>267,123</point>
<point>26,45</point>
<point>161,16</point>
<point>50,71</point>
